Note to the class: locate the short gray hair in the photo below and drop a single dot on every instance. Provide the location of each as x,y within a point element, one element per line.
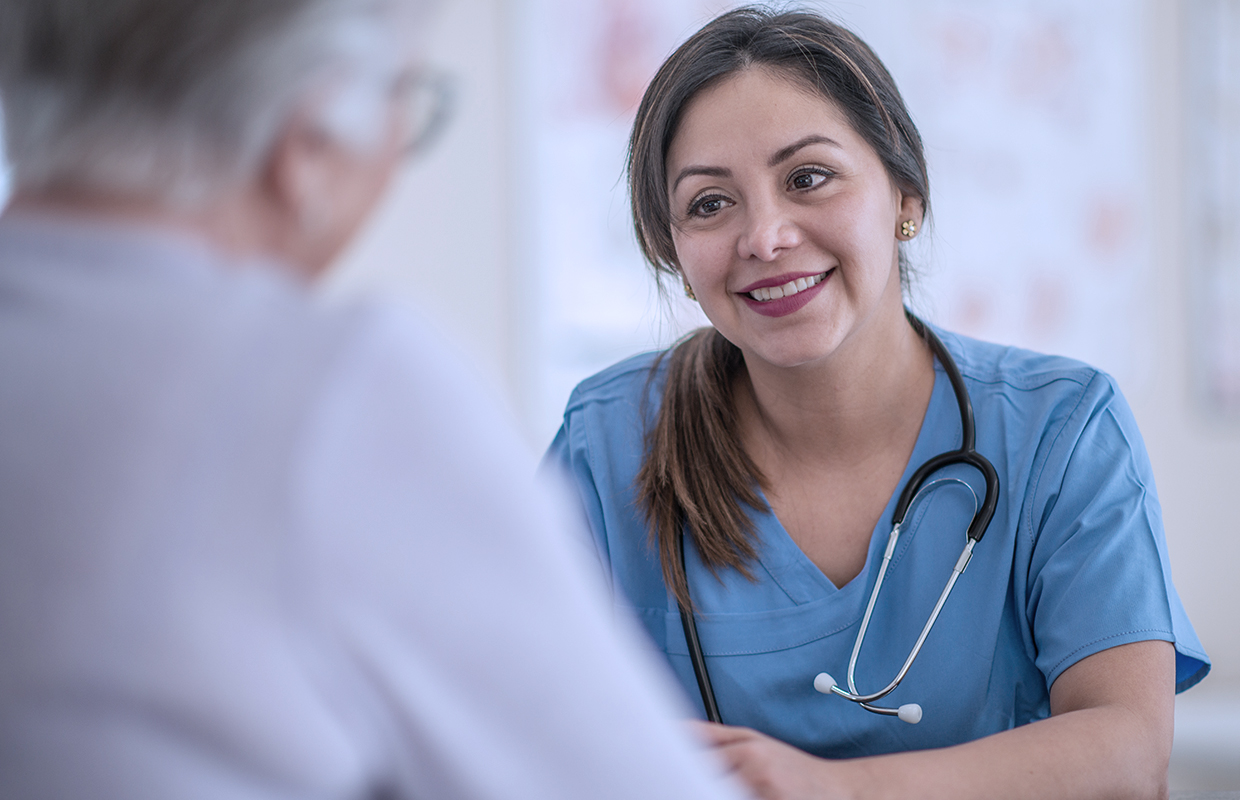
<point>176,99</point>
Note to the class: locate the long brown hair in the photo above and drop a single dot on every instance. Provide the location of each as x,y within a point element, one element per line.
<point>696,475</point>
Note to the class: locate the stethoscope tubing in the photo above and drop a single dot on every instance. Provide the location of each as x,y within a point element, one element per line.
<point>695,651</point>
<point>864,700</point>
<point>967,454</point>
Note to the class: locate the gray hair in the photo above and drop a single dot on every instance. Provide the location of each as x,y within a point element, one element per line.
<point>179,99</point>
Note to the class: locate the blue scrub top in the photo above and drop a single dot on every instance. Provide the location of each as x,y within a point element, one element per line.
<point>1074,562</point>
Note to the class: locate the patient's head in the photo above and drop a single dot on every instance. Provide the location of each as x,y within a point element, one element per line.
<point>185,102</point>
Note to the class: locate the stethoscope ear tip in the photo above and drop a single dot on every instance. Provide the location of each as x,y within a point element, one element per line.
<point>909,712</point>
<point>825,683</point>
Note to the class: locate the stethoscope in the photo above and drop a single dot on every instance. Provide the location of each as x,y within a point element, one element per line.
<point>913,490</point>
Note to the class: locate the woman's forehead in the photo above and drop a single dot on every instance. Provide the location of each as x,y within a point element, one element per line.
<point>754,113</point>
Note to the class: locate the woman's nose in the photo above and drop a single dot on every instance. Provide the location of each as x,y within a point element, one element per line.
<point>768,232</point>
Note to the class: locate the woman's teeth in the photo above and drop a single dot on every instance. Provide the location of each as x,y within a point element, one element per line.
<point>788,289</point>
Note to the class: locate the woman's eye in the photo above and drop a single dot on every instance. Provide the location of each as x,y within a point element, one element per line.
<point>708,206</point>
<point>807,179</point>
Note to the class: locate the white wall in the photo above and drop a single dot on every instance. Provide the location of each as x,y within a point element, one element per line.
<point>440,239</point>
<point>4,170</point>
<point>1196,457</point>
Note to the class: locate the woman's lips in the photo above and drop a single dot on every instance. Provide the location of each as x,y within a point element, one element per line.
<point>783,299</point>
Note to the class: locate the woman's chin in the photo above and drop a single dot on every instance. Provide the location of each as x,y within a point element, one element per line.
<point>791,355</point>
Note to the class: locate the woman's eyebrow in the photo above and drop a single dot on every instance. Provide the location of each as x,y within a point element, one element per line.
<point>781,155</point>
<point>788,152</point>
<point>713,172</point>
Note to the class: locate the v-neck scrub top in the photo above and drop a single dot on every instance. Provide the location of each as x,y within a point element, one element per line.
<point>1074,562</point>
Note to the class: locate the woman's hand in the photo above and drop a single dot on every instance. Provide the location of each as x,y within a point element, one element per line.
<point>771,769</point>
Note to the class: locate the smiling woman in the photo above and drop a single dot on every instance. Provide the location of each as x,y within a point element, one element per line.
<point>822,208</point>
<point>742,487</point>
<point>792,194</point>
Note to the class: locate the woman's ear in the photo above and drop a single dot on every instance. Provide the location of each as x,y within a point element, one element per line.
<point>909,216</point>
<point>911,207</point>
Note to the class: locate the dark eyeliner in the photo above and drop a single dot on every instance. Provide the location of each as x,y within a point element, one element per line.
<point>810,170</point>
<point>696,203</point>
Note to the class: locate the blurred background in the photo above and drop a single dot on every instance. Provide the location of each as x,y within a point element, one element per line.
<point>1085,177</point>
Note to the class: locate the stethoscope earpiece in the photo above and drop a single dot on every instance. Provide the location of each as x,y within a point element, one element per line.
<point>824,683</point>
<point>910,713</point>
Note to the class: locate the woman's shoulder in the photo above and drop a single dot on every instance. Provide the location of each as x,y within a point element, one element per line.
<point>633,380</point>
<point>1016,371</point>
<point>1024,396</point>
<point>1046,412</point>
<point>601,438</point>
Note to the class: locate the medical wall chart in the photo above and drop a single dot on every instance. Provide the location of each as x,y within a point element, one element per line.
<point>1212,219</point>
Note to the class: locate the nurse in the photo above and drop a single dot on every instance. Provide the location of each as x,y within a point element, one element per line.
<point>776,173</point>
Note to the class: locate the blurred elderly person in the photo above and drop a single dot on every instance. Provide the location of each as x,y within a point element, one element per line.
<point>253,547</point>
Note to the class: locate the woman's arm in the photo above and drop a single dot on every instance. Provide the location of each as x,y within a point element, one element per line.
<point>1109,736</point>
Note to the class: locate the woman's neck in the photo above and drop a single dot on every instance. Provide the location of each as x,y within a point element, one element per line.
<point>870,394</point>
